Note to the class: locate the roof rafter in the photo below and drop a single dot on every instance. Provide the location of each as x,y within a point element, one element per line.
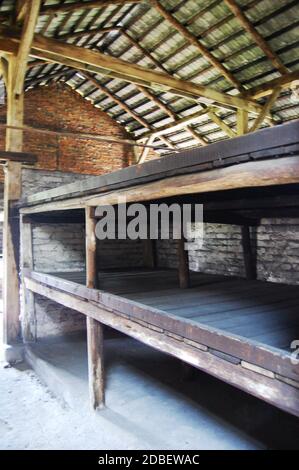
<point>120,103</point>
<point>258,38</point>
<point>196,43</point>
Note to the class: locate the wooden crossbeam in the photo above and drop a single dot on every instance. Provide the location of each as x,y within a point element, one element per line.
<point>178,124</point>
<point>257,37</point>
<point>213,116</point>
<point>97,62</point>
<point>17,157</point>
<point>267,88</point>
<point>261,117</point>
<point>196,43</point>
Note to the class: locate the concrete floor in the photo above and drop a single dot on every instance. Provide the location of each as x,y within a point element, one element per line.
<point>148,404</point>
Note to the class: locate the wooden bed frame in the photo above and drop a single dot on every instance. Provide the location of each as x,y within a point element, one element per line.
<point>239,181</point>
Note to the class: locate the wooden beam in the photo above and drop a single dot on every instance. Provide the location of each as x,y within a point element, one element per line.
<point>12,184</point>
<point>70,7</point>
<point>196,43</point>
<point>97,62</point>
<point>242,122</point>
<point>213,116</point>
<point>23,157</point>
<point>177,125</point>
<point>95,352</point>
<point>124,106</point>
<point>257,37</point>
<point>256,174</point>
<point>20,11</point>
<point>95,337</point>
<point>267,88</point>
<point>249,257</point>
<point>183,269</point>
<point>30,19</point>
<point>266,109</point>
<point>75,135</point>
<point>146,150</point>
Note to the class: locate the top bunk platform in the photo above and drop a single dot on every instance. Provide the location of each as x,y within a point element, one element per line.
<point>265,158</point>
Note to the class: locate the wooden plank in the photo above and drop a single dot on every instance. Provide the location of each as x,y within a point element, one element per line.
<point>95,336</point>
<point>264,141</point>
<point>259,174</point>
<point>275,392</point>
<point>250,351</point>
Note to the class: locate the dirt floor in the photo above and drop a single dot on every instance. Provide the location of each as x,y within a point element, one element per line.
<point>149,405</point>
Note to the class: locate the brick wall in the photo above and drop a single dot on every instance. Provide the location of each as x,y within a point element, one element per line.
<point>276,242</point>
<point>57,107</point>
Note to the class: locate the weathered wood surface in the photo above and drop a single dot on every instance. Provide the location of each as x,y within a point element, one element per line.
<point>272,390</point>
<point>161,306</point>
<point>95,337</point>
<point>95,353</point>
<point>267,143</point>
<point>258,174</point>
<point>22,157</point>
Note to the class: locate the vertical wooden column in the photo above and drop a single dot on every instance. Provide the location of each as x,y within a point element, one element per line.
<point>12,192</point>
<point>28,308</point>
<point>14,71</point>
<point>95,337</point>
<point>184,277</point>
<point>249,257</point>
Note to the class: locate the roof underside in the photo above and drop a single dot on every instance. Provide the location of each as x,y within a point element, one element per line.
<point>137,33</point>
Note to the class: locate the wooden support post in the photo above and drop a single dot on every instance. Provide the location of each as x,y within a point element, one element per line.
<point>12,192</point>
<point>28,315</point>
<point>95,336</point>
<point>184,278</point>
<point>249,257</point>
<point>242,122</point>
<point>14,71</point>
<point>149,255</point>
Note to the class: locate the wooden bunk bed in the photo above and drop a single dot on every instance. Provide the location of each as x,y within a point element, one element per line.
<point>238,330</point>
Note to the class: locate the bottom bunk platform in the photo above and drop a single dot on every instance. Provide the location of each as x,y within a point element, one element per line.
<point>238,330</point>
